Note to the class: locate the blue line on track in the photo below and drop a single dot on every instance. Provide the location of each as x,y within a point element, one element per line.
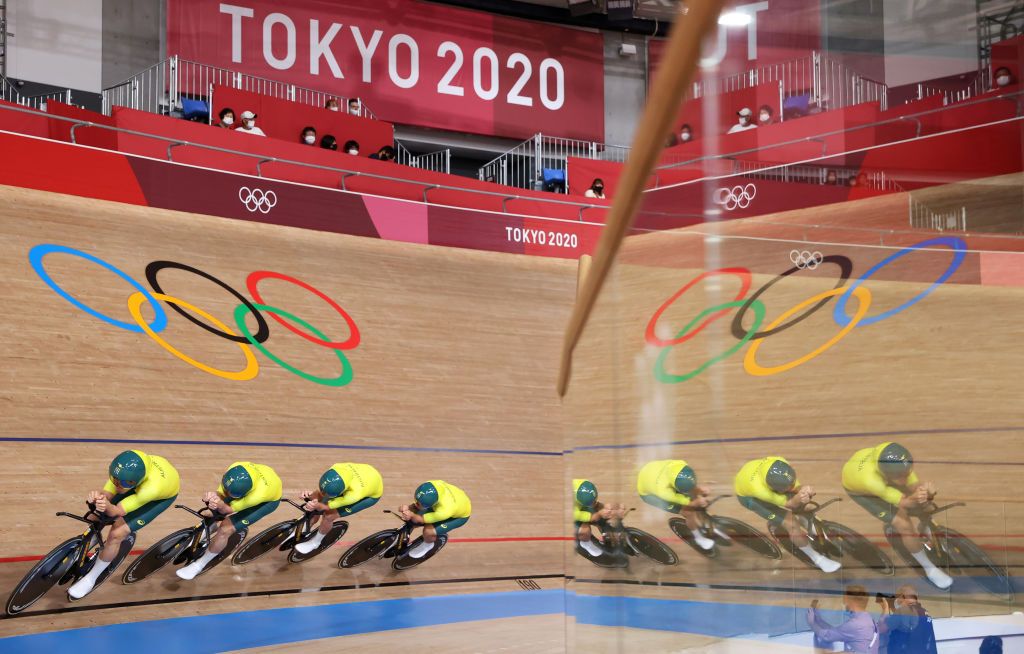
<point>207,634</point>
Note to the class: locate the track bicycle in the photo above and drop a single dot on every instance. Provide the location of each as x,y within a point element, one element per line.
<point>183,546</point>
<point>621,542</point>
<point>833,540</point>
<point>69,562</point>
<point>949,549</point>
<point>390,544</point>
<point>725,532</point>
<point>287,534</point>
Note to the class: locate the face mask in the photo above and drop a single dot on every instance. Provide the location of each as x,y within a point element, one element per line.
<point>354,111</point>
<point>599,189</point>
<point>765,118</point>
<point>685,136</point>
<point>333,108</point>
<point>353,151</point>
<point>309,139</point>
<point>249,124</point>
<point>744,121</point>
<point>228,120</point>
<point>1002,80</point>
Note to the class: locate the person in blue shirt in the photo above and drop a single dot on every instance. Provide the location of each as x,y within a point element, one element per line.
<point>907,624</point>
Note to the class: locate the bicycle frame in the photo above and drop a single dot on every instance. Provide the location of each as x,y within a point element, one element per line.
<point>926,524</point>
<point>302,524</point>
<point>206,522</point>
<point>95,529</point>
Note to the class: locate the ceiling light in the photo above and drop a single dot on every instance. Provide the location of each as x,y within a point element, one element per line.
<point>735,19</point>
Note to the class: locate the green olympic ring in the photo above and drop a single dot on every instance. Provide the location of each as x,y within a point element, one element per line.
<point>659,366</point>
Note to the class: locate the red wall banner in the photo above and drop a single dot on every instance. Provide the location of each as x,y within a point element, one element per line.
<point>412,62</point>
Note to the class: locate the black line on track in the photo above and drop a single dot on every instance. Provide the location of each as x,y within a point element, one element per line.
<point>270,593</point>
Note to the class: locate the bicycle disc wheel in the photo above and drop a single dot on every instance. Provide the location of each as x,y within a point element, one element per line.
<point>44,575</point>
<point>157,556</point>
<point>970,559</point>
<point>403,561</point>
<point>369,548</point>
<point>333,536</point>
<point>651,547</point>
<point>682,531</point>
<point>607,558</point>
<point>263,542</point>
<point>233,541</point>
<point>853,544</point>
<point>122,553</point>
<point>746,536</point>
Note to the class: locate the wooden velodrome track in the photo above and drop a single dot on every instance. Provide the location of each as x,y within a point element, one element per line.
<point>456,354</point>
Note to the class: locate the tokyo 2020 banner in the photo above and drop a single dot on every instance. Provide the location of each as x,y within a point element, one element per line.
<point>412,62</point>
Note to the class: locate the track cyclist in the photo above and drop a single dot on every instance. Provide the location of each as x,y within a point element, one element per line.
<point>346,488</point>
<point>671,485</point>
<point>882,480</point>
<point>440,507</point>
<point>247,492</point>
<point>587,511</point>
<point>139,488</point>
<point>765,486</point>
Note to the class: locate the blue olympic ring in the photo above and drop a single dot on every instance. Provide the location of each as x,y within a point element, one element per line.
<point>959,247</point>
<point>35,257</point>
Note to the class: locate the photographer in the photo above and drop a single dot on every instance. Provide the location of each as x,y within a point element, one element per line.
<point>907,623</point>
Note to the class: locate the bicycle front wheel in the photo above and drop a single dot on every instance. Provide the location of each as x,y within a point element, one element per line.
<point>682,530</point>
<point>743,534</point>
<point>651,547</point>
<point>968,557</point>
<point>157,556</point>
<point>369,548</point>
<point>44,575</point>
<point>853,544</point>
<point>264,542</point>
<point>403,561</point>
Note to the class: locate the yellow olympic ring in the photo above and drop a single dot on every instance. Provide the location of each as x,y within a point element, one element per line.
<point>252,366</point>
<point>749,361</point>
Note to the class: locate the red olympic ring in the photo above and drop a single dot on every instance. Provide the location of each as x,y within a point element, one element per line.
<point>649,335</point>
<point>253,280</point>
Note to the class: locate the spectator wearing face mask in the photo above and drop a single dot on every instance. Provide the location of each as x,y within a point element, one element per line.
<point>596,189</point>
<point>387,153</point>
<point>352,148</point>
<point>355,107</point>
<point>226,118</point>
<point>685,133</point>
<point>907,624</point>
<point>858,633</point>
<point>248,125</point>
<point>765,115</point>
<point>308,135</point>
<point>328,142</point>
<point>332,105</point>
<point>743,121</point>
<point>1003,77</point>
<point>831,178</point>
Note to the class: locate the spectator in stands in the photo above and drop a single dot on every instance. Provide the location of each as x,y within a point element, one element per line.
<point>328,142</point>
<point>309,135</point>
<point>1003,77</point>
<point>858,634</point>
<point>862,179</point>
<point>765,115</point>
<point>991,645</point>
<point>743,123</point>
<point>352,148</point>
<point>332,105</point>
<point>831,178</point>
<point>248,125</point>
<point>355,107</point>
<point>596,189</point>
<point>685,133</point>
<point>226,118</point>
<point>387,153</point>
<point>907,624</point>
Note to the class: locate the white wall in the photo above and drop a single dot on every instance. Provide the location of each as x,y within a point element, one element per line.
<point>56,42</point>
<point>928,39</point>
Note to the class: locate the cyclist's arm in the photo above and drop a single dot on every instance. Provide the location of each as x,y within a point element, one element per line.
<point>439,514</point>
<point>670,496</point>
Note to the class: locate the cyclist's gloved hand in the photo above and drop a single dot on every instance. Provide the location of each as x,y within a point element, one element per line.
<point>307,494</point>
<point>212,500</point>
<point>921,495</point>
<point>102,504</point>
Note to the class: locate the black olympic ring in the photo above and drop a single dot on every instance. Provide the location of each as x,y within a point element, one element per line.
<point>262,330</point>
<point>845,270</point>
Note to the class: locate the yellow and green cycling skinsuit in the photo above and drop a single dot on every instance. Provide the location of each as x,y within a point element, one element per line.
<point>261,501</point>
<point>656,484</point>
<point>151,496</point>
<point>867,486</point>
<point>452,509</point>
<point>753,492</point>
<point>363,487</point>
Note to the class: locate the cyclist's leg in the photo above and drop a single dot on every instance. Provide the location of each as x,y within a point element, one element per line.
<point>327,523</point>
<point>775,516</point>
<point>432,531</point>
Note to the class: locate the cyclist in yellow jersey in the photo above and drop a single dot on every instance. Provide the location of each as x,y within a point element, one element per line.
<point>247,492</point>
<point>346,488</point>
<point>440,507</point>
<point>139,487</point>
<point>671,485</point>
<point>769,488</point>
<point>587,511</point>
<point>882,480</point>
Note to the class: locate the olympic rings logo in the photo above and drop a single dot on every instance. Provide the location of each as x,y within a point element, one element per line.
<point>257,199</point>
<point>244,339</point>
<point>737,197</point>
<point>756,334</point>
<point>804,259</point>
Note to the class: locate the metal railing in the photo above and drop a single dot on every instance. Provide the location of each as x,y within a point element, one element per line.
<point>439,162</point>
<point>524,165</point>
<point>345,173</point>
<point>974,88</point>
<point>923,217</point>
<point>827,83</point>
<point>876,181</point>
<point>160,88</point>
<point>10,93</point>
